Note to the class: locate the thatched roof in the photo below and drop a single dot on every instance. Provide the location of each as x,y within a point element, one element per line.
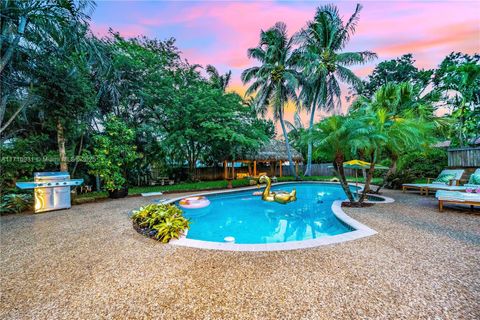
<point>273,150</point>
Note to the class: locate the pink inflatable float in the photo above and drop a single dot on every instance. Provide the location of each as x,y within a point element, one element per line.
<point>194,202</point>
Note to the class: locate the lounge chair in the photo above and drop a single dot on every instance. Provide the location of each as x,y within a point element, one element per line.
<point>472,199</point>
<point>440,183</point>
<point>474,181</point>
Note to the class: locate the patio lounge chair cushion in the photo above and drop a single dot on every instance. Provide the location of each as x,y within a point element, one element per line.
<point>472,186</point>
<point>457,196</point>
<point>444,178</point>
<point>474,179</point>
<point>457,173</point>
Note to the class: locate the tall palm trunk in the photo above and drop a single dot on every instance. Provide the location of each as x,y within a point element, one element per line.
<point>289,152</point>
<point>308,171</point>
<point>366,188</point>
<point>338,166</point>
<point>390,171</point>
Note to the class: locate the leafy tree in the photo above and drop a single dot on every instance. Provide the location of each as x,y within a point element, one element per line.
<point>26,28</point>
<point>460,74</point>
<point>48,72</point>
<point>134,78</point>
<point>139,73</point>
<point>245,132</point>
<point>200,122</point>
<point>395,71</point>
<point>324,65</point>
<point>66,97</point>
<point>276,79</point>
<point>114,151</point>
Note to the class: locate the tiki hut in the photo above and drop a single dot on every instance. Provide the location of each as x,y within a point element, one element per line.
<point>273,154</point>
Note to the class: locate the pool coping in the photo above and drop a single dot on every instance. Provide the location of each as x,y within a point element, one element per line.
<point>360,231</point>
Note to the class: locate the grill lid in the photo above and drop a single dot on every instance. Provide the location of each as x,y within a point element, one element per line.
<point>51,176</point>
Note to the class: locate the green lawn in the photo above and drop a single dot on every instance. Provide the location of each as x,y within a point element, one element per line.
<point>198,186</point>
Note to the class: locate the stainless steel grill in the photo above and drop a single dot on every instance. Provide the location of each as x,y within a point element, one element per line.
<point>51,190</point>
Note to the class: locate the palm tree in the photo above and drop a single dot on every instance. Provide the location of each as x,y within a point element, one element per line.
<point>407,119</point>
<point>296,132</point>
<point>384,133</point>
<point>323,63</point>
<point>220,81</point>
<point>27,27</point>
<point>331,138</point>
<point>276,79</point>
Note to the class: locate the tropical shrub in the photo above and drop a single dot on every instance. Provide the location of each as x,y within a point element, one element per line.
<point>21,156</point>
<point>425,164</point>
<point>160,221</point>
<point>395,180</point>
<point>15,203</point>
<point>113,151</point>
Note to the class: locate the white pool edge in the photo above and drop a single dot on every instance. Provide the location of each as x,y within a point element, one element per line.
<point>361,230</point>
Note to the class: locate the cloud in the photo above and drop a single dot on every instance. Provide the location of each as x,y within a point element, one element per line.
<point>237,26</point>
<point>220,33</point>
<point>126,30</point>
<point>464,36</point>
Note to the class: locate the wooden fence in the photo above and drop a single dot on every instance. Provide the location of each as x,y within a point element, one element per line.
<point>464,157</point>
<point>318,169</point>
<point>216,173</point>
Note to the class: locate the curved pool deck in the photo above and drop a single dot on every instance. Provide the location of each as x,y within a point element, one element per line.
<point>89,263</point>
<point>360,230</point>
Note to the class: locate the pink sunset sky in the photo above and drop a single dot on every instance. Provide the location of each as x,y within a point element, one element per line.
<point>220,32</point>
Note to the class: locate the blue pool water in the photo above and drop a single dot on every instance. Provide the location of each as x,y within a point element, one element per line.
<point>251,220</point>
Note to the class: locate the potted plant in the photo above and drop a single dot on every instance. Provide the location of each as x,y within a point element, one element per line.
<point>113,152</point>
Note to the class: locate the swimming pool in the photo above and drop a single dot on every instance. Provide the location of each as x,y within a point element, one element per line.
<point>254,224</point>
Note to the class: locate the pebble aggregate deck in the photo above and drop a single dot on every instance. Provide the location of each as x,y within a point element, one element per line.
<point>89,263</point>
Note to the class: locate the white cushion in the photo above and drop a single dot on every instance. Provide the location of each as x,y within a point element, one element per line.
<point>473,186</point>
<point>457,196</point>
